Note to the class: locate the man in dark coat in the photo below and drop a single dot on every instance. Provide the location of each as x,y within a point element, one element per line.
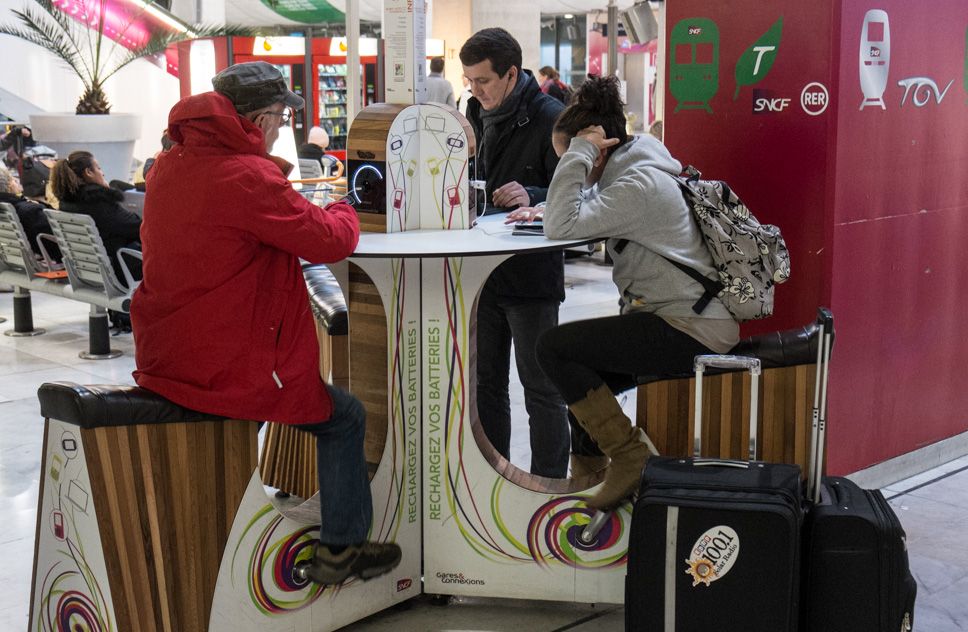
<point>512,121</point>
<point>222,320</point>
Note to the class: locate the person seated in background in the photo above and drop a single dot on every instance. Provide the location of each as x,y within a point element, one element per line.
<point>315,146</point>
<point>619,187</point>
<point>139,177</point>
<point>79,186</point>
<point>14,143</point>
<point>222,319</point>
<point>552,85</point>
<point>315,149</point>
<point>31,213</point>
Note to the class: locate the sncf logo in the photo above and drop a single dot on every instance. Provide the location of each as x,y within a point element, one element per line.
<point>765,101</point>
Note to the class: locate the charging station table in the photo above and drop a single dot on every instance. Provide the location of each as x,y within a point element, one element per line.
<point>482,526</point>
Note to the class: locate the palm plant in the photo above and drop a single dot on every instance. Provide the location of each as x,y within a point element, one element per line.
<point>81,44</point>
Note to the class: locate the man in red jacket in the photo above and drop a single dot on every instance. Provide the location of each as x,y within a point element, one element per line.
<point>222,319</point>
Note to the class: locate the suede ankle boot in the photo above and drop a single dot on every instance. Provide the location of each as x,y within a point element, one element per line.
<point>583,465</point>
<point>625,444</point>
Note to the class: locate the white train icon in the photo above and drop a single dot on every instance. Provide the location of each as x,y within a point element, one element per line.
<point>875,57</point>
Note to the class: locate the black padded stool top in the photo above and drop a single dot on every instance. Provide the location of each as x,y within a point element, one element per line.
<point>104,405</point>
<point>776,349</point>
<point>326,299</point>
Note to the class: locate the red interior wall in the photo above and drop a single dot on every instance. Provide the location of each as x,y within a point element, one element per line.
<point>899,235</point>
<point>873,204</point>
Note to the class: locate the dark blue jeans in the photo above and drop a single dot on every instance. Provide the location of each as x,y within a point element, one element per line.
<point>501,321</point>
<point>345,506</point>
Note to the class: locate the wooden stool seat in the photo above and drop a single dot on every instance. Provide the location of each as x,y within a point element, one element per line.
<point>137,499</point>
<point>665,405</point>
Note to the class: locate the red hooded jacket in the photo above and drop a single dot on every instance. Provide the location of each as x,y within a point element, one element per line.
<point>222,322</point>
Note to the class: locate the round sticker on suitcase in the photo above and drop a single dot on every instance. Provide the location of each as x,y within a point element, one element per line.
<point>713,555</point>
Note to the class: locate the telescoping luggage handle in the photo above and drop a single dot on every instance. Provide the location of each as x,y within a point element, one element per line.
<point>818,435</point>
<point>754,366</point>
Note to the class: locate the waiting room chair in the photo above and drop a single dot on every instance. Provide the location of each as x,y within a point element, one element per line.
<point>20,268</point>
<point>92,276</point>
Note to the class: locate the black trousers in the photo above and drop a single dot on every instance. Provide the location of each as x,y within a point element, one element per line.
<point>616,351</point>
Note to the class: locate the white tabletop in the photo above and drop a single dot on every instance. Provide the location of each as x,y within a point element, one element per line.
<point>490,236</point>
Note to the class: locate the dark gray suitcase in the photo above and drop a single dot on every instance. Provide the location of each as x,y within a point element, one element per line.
<point>715,544</point>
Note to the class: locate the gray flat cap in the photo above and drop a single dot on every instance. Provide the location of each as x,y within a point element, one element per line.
<point>255,84</point>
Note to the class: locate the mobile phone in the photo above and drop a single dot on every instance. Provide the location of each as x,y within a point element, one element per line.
<point>528,228</point>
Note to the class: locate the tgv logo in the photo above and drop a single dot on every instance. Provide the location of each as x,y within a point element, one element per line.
<point>924,89</point>
<point>875,63</point>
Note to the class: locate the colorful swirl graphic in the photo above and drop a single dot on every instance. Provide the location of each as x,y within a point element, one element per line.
<point>554,534</point>
<point>72,598</point>
<point>273,588</point>
<point>77,613</point>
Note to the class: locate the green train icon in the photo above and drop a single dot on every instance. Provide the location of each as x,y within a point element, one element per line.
<point>694,63</point>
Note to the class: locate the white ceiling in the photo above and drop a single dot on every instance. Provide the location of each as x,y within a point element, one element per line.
<point>255,13</point>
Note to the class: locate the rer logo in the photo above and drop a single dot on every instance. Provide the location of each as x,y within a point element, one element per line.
<point>755,62</point>
<point>765,101</point>
<point>814,98</point>
<point>694,63</point>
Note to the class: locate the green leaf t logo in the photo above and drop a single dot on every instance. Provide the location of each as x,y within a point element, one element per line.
<point>756,61</point>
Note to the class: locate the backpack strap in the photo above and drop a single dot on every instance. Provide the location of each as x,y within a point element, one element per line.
<point>712,288</point>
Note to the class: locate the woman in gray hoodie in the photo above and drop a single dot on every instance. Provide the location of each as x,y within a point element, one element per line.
<point>620,187</point>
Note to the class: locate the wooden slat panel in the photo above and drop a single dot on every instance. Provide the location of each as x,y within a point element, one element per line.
<point>368,359</point>
<point>166,497</point>
<point>665,410</point>
<point>288,460</point>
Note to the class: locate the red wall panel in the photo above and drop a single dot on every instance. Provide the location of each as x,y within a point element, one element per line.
<point>873,201</point>
<point>900,225</point>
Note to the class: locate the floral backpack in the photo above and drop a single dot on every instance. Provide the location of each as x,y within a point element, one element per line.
<point>751,257</point>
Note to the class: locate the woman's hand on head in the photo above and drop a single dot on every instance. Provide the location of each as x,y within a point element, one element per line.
<point>595,134</point>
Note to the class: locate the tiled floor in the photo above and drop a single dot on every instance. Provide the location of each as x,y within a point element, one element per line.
<point>933,506</point>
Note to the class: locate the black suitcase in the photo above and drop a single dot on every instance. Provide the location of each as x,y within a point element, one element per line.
<point>856,576</point>
<point>715,544</point>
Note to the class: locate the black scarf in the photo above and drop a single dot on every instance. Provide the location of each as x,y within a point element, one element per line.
<point>491,120</point>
